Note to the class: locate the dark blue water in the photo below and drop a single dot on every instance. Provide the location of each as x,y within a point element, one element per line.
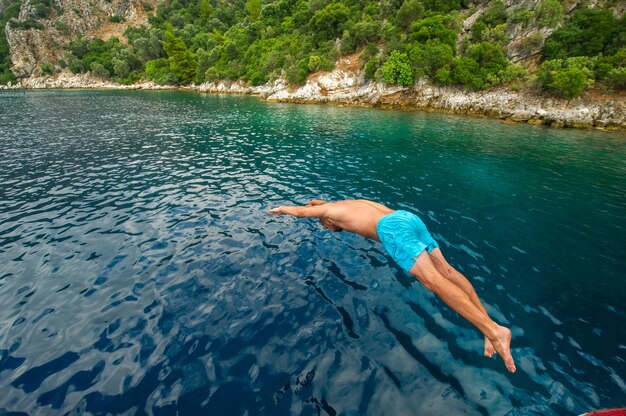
<point>141,274</point>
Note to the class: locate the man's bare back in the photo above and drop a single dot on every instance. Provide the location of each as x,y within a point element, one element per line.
<point>407,240</point>
<point>358,216</point>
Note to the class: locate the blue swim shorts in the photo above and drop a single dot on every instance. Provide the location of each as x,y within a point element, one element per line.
<point>404,236</point>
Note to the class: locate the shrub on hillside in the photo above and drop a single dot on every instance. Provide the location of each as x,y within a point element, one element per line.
<point>436,28</point>
<point>370,69</point>
<point>483,67</point>
<point>98,70</point>
<point>587,33</point>
<point>444,6</point>
<point>513,73</point>
<point>531,43</point>
<point>495,14</point>
<point>328,21</point>
<point>568,83</point>
<point>464,71</point>
<point>158,70</point>
<point>565,78</point>
<point>617,78</point>
<point>549,13</point>
<point>62,27</point>
<point>409,12</point>
<point>427,58</point>
<point>397,69</point>
<point>46,69</point>
<point>522,16</point>
<point>489,57</point>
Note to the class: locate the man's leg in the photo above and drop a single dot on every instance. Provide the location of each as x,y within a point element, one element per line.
<point>453,275</point>
<point>426,272</point>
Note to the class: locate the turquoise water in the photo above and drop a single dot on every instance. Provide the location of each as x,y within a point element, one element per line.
<point>141,274</point>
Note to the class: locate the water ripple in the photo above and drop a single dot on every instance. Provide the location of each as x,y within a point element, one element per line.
<point>140,272</point>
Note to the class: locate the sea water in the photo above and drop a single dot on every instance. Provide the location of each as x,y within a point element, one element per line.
<point>140,272</point>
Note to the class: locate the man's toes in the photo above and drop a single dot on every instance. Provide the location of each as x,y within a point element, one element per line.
<point>510,364</point>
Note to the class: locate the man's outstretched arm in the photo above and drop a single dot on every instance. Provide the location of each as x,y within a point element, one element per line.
<point>316,211</point>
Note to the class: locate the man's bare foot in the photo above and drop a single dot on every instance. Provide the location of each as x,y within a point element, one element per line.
<point>502,344</point>
<point>489,350</point>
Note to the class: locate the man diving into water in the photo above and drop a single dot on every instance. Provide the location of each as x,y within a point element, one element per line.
<point>407,240</point>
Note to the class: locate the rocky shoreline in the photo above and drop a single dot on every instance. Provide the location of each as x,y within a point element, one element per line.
<point>347,87</point>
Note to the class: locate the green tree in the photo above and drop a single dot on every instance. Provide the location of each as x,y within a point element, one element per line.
<point>254,9</point>
<point>204,63</point>
<point>512,73</point>
<point>564,78</point>
<point>617,77</point>
<point>495,13</point>
<point>314,63</point>
<point>479,31</point>
<point>568,83</point>
<point>587,33</point>
<point>397,69</point>
<point>434,27</point>
<point>389,8</point>
<point>371,9</point>
<point>212,75</point>
<point>444,6</point>
<point>121,68</point>
<point>11,9</point>
<point>158,70</point>
<point>549,13</point>
<point>489,57</point>
<point>465,71</point>
<point>183,62</point>
<point>429,57</point>
<point>366,32</point>
<point>98,70</point>
<point>79,47</point>
<point>410,11</point>
<point>147,49</point>
<point>348,43</point>
<point>327,22</point>
<point>205,10</point>
<point>370,69</point>
<point>258,40</point>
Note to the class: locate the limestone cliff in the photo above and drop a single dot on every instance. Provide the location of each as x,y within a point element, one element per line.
<point>31,47</point>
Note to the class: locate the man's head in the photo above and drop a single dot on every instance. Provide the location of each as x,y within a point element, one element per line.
<point>326,223</point>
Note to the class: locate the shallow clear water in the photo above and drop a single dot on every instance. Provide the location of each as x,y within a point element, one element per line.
<point>140,272</point>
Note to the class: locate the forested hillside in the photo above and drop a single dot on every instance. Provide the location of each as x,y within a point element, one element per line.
<point>9,9</point>
<point>562,46</point>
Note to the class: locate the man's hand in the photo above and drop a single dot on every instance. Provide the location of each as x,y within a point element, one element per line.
<point>300,212</point>
<point>276,211</point>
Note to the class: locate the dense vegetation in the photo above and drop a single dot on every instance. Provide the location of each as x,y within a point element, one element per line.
<point>399,41</point>
<point>8,9</point>
<point>590,47</point>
